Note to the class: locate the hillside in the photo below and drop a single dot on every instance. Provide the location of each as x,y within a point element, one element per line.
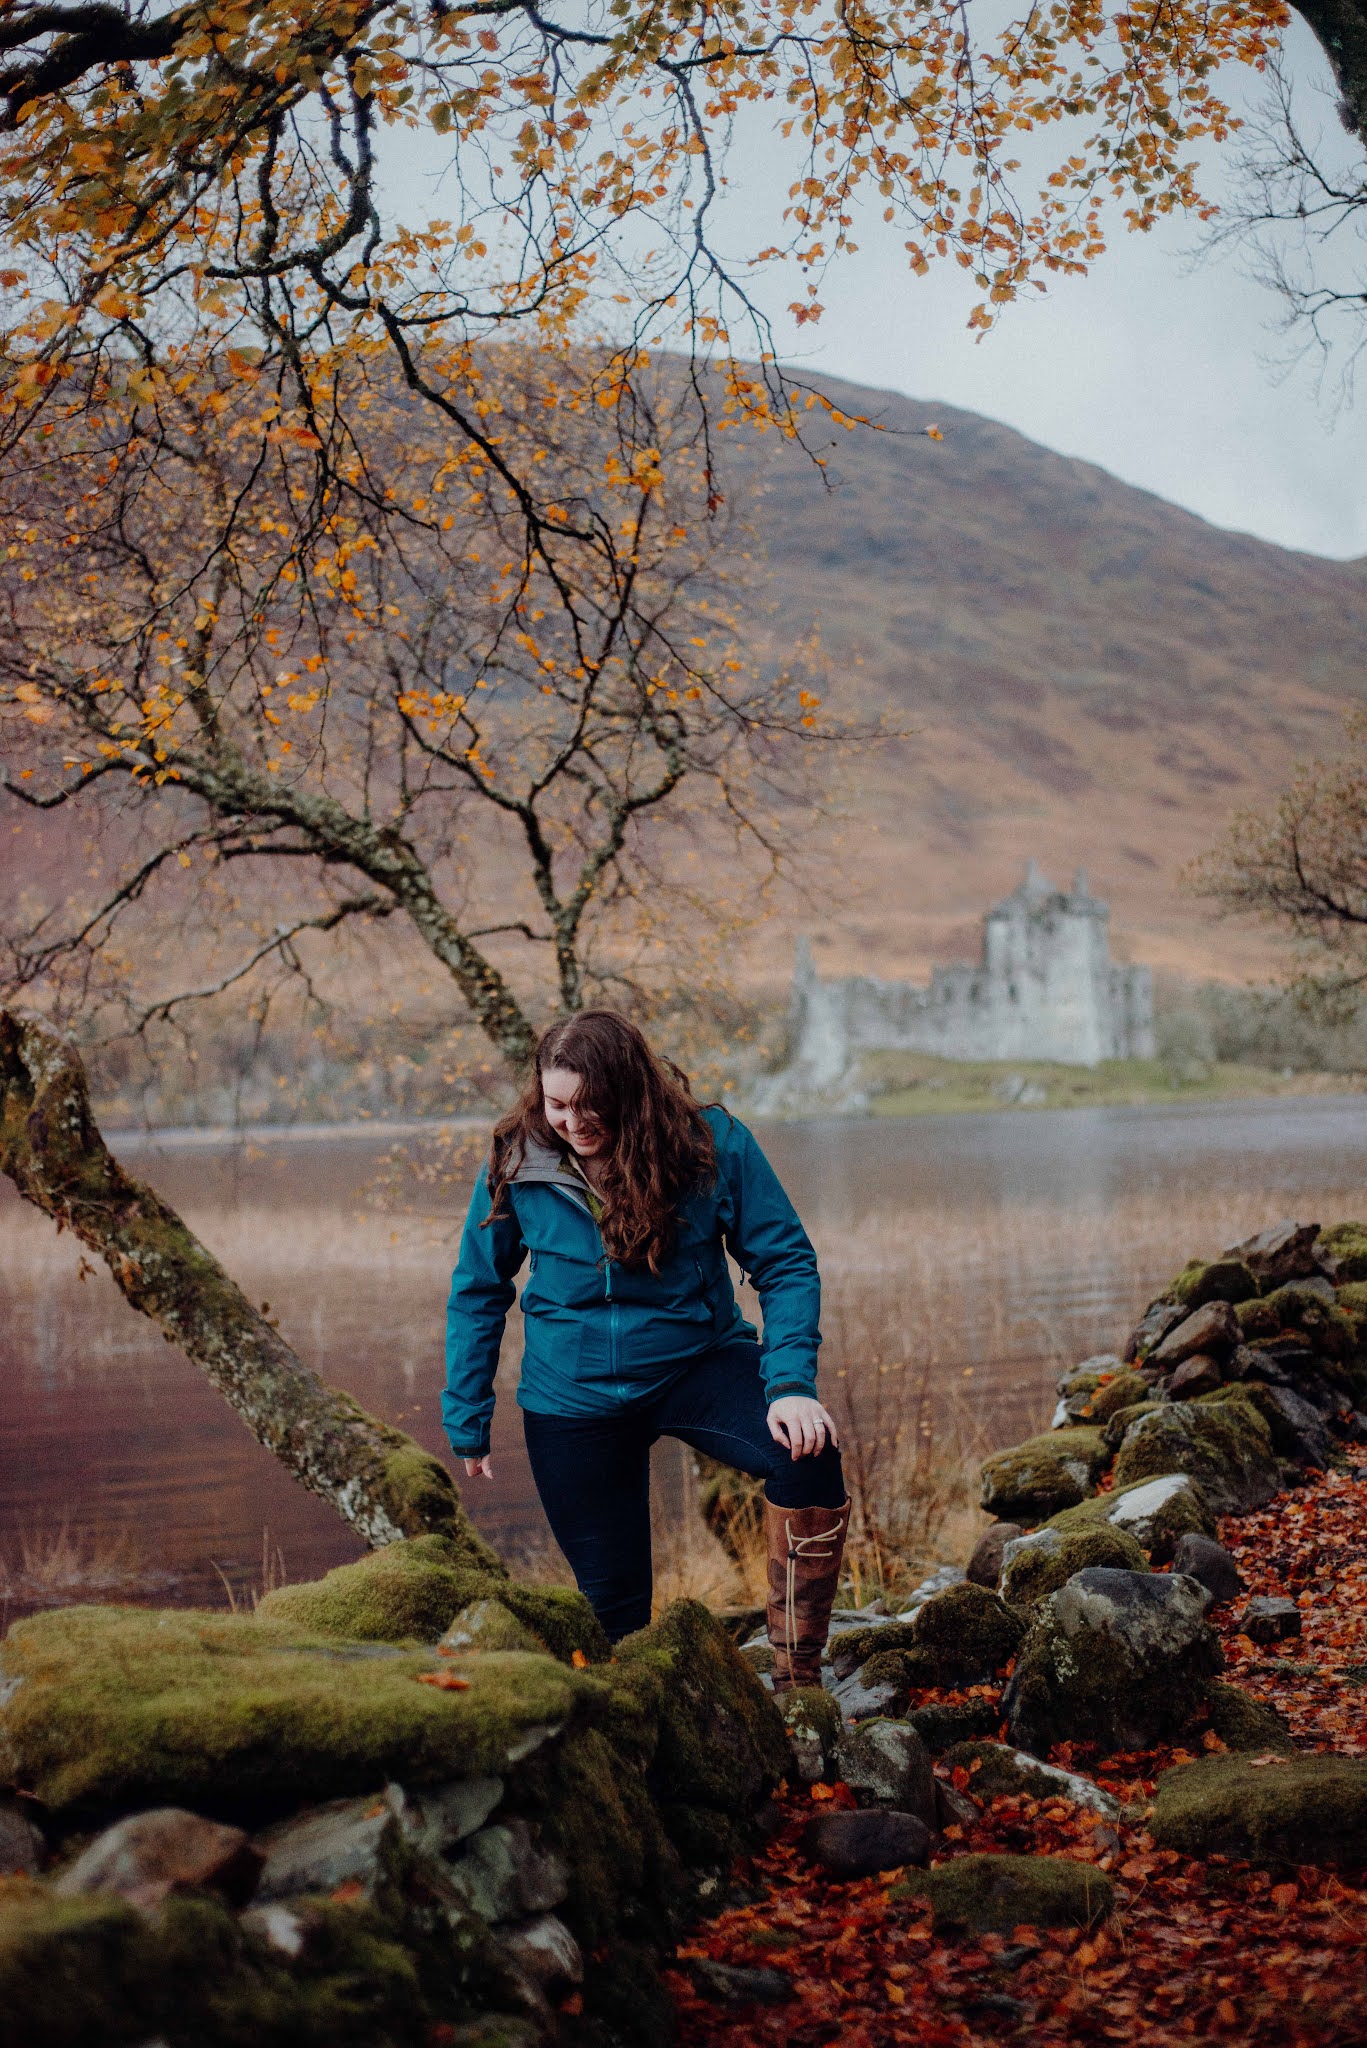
<point>1094,677</point>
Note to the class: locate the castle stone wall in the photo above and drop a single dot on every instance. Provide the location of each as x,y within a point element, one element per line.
<point>1045,988</point>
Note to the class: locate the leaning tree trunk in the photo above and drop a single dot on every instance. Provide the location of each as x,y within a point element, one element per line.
<point>383,1484</point>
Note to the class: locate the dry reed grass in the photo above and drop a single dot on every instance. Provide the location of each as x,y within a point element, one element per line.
<point>59,1566</point>
<point>247,1596</point>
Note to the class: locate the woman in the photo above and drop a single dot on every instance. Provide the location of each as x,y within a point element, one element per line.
<point>626,1194</point>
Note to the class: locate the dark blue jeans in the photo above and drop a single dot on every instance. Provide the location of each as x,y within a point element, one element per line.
<point>593,1473</point>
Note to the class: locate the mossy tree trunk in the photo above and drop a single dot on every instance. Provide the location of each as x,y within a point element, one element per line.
<point>383,1484</point>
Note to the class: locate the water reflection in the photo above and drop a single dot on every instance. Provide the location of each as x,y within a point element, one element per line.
<point>994,1246</point>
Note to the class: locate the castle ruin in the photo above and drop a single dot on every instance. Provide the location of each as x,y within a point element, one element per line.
<point>1045,988</point>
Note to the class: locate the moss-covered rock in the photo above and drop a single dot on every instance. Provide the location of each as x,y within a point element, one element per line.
<point>625,1876</point>
<point>1119,1658</point>
<point>1118,1424</point>
<point>1224,1279</point>
<point>1257,1319</point>
<point>489,1625</point>
<point>1156,1512</point>
<point>122,1707</point>
<point>1114,1391</point>
<point>959,1637</point>
<point>1310,1307</point>
<point>1298,1809</point>
<point>1344,1246</point>
<point>1241,1722</point>
<point>1352,1299</point>
<point>1226,1449</point>
<point>983,1894</point>
<point>412,1592</point>
<point>815,1725</point>
<point>996,1771</point>
<point>1044,1474</point>
<point>712,1741</point>
<point>78,1971</point>
<point>942,1723</point>
<point>1039,1564</point>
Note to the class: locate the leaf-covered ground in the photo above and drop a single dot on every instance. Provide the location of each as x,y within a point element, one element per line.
<point>1196,1951</point>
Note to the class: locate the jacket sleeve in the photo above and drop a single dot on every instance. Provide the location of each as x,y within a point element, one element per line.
<point>765,1236</point>
<point>482,1292</point>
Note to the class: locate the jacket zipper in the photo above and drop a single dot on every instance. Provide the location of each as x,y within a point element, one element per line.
<point>607,1281</point>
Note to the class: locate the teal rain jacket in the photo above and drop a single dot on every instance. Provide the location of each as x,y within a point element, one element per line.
<point>598,1335</point>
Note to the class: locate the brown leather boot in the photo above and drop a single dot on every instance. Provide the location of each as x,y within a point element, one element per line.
<point>805,1549</point>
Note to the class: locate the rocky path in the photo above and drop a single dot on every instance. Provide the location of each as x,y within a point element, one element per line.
<point>1205,1949</point>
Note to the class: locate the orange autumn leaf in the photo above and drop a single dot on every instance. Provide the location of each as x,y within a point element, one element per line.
<point>579,1660</point>
<point>445,1681</point>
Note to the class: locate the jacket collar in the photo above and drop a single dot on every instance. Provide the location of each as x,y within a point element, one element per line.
<point>542,1163</point>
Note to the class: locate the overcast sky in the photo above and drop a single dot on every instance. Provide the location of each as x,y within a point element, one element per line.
<point>1156,370</point>
<point>1160,370</point>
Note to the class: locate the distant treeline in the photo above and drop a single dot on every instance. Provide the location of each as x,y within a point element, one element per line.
<point>1222,1023</point>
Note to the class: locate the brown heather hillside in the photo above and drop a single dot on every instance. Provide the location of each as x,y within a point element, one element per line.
<point>1094,677</point>
<point>1091,677</point>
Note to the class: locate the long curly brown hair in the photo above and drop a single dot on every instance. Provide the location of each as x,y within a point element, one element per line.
<point>659,1147</point>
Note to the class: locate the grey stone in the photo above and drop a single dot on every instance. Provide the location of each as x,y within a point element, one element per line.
<point>1297,1426</point>
<point>1158,1318</point>
<point>1213,1328</point>
<point>147,1856</point>
<point>734,1984</point>
<point>985,1565</point>
<point>940,1581</point>
<point>995,1770</point>
<point>342,1842</point>
<point>1285,1252</point>
<point>1270,1619</point>
<point>1203,1559</point>
<point>1114,1657</point>
<point>851,1845</point>
<point>1198,1375</point>
<point>860,1702</point>
<point>543,1949</point>
<point>885,1763</point>
<point>953,1808</point>
<point>278,1925</point>
<point>22,1847</point>
<point>489,1625</point>
<point>436,1818</point>
<point>503,1874</point>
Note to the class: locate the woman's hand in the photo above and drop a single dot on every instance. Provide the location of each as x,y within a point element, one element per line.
<point>479,1468</point>
<point>801,1425</point>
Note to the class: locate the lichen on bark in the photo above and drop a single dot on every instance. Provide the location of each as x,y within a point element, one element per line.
<point>383,1484</point>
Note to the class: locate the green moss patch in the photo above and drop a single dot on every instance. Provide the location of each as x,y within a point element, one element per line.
<point>959,1637</point>
<point>993,1894</point>
<point>411,1592</point>
<point>1346,1244</point>
<point>1043,1475</point>
<point>686,1706</point>
<point>1038,1569</point>
<point>120,1707</point>
<point>1120,1390</point>
<point>1243,1723</point>
<point>84,1970</point>
<point>1220,1280</point>
<point>1227,1449</point>
<point>1294,1809</point>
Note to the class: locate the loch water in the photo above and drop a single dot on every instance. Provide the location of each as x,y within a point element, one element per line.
<point>967,1259</point>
